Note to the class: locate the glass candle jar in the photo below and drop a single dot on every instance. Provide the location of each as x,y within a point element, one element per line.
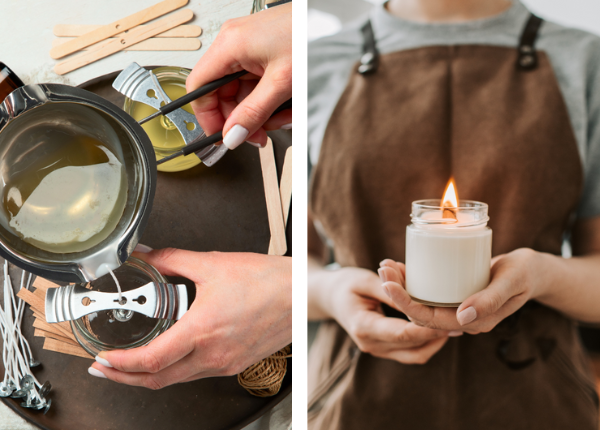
<point>163,134</point>
<point>448,252</point>
<point>120,329</point>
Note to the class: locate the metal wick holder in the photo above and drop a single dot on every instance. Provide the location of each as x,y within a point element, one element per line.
<point>142,86</point>
<point>155,300</point>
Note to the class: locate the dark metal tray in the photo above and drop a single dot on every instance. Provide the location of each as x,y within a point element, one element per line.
<point>221,208</point>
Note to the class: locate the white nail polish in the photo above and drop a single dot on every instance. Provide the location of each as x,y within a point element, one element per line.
<point>467,316</point>
<point>258,145</point>
<point>96,373</point>
<point>286,127</point>
<point>103,361</point>
<point>142,248</point>
<point>235,136</point>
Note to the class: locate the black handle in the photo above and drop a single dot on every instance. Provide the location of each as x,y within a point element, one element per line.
<point>201,143</point>
<point>202,91</point>
<point>276,3</point>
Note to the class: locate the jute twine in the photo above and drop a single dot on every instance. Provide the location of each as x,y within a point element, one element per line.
<point>264,378</point>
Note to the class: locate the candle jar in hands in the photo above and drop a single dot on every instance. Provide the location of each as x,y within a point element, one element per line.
<point>448,252</point>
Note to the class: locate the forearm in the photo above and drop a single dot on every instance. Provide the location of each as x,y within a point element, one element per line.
<point>571,286</point>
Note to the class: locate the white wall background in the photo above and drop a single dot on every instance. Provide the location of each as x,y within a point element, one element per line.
<point>327,16</point>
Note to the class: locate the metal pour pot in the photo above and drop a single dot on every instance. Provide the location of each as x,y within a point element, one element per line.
<point>54,105</point>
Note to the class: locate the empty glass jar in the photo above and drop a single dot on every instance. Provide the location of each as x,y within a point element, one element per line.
<point>120,329</point>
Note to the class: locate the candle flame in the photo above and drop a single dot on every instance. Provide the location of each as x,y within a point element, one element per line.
<point>450,199</point>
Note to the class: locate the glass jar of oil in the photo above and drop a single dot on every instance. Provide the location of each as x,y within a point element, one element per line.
<point>163,134</point>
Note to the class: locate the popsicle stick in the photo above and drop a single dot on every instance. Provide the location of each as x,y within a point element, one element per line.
<point>285,185</point>
<point>64,348</point>
<point>285,192</point>
<point>277,245</point>
<point>75,30</point>
<point>115,45</point>
<point>116,27</point>
<point>152,44</point>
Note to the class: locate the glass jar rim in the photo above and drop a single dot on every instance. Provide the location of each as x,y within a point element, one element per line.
<point>162,72</point>
<point>92,345</point>
<point>462,205</point>
<point>478,209</point>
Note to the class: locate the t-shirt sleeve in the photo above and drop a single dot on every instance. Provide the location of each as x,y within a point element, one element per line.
<point>330,62</point>
<point>590,202</point>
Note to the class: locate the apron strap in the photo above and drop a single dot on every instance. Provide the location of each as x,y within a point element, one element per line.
<point>527,58</point>
<point>370,56</point>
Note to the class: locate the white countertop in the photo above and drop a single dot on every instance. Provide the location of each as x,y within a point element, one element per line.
<point>26,27</point>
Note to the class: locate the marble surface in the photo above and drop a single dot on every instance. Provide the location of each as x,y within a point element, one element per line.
<point>27,29</point>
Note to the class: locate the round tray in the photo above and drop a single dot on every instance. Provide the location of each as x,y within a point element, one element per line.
<point>218,208</point>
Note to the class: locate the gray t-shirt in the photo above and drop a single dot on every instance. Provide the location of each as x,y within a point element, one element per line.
<point>574,54</point>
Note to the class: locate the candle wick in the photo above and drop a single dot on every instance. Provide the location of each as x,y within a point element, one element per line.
<point>449,212</point>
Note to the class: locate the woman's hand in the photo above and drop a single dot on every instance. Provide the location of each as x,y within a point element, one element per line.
<point>241,314</point>
<point>353,297</point>
<point>261,44</point>
<point>516,277</point>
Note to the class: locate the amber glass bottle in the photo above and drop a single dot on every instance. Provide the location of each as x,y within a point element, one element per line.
<point>8,81</point>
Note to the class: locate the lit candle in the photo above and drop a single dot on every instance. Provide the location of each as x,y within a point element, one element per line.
<point>448,250</point>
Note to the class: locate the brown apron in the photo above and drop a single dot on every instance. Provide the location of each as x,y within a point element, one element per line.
<point>494,119</point>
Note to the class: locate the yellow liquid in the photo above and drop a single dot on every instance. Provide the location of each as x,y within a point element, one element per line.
<point>163,134</point>
<point>71,198</point>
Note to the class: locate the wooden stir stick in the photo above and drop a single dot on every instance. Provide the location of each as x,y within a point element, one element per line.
<point>152,44</point>
<point>116,27</point>
<point>285,193</point>
<point>76,30</point>
<point>115,45</point>
<point>264,379</point>
<point>285,187</point>
<point>278,245</point>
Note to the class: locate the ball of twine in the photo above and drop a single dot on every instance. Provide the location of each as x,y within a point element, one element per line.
<point>263,379</point>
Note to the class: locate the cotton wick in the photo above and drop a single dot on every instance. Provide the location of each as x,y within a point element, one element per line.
<point>118,286</point>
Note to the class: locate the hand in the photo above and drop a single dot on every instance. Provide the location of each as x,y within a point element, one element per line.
<point>516,277</point>
<point>241,314</point>
<point>355,302</point>
<point>261,44</point>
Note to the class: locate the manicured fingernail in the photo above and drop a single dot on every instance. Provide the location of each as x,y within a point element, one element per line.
<point>455,333</point>
<point>382,275</point>
<point>103,361</point>
<point>235,136</point>
<point>286,127</point>
<point>95,372</point>
<point>258,145</point>
<point>142,248</point>
<point>467,316</point>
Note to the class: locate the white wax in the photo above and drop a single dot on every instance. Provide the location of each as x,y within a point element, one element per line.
<point>447,265</point>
